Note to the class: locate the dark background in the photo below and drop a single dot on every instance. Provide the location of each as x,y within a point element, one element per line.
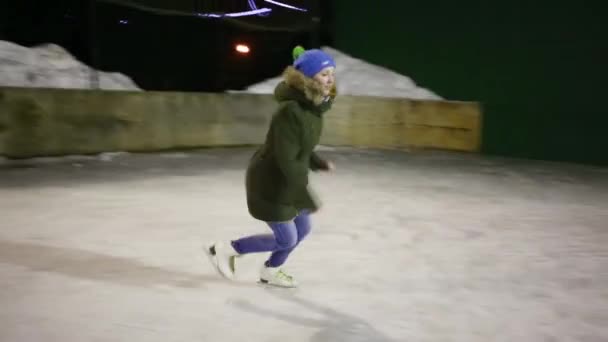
<point>539,68</point>
<point>160,51</point>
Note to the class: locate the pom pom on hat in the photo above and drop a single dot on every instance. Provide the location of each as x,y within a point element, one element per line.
<point>310,62</point>
<point>297,52</point>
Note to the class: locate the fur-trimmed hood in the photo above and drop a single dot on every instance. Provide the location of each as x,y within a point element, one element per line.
<point>296,86</point>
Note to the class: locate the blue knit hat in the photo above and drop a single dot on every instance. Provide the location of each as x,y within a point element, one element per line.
<point>311,62</point>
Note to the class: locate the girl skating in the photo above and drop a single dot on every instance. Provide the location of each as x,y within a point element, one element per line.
<point>277,176</point>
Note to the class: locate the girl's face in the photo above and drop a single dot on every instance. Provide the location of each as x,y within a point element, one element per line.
<point>326,78</point>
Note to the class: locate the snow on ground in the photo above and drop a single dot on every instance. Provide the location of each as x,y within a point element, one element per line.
<point>357,77</point>
<point>408,247</point>
<point>51,66</point>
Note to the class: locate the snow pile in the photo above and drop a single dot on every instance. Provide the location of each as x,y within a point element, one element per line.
<point>51,66</point>
<point>357,77</point>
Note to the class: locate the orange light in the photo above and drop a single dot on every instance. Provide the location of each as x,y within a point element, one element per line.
<point>242,48</point>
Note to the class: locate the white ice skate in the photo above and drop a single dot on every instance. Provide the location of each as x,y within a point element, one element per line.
<point>275,276</point>
<point>223,257</point>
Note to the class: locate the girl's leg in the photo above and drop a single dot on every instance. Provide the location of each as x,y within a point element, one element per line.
<point>302,228</point>
<point>303,225</point>
<point>285,236</point>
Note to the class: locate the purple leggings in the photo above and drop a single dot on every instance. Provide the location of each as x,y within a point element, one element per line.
<point>287,235</point>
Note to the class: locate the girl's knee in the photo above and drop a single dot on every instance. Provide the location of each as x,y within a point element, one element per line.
<point>286,234</point>
<point>288,241</point>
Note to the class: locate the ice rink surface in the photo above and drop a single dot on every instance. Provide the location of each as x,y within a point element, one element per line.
<point>425,246</point>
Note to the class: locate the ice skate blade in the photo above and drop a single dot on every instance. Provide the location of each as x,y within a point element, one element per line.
<point>268,284</point>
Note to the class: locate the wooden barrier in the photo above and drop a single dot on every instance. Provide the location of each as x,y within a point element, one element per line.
<point>402,123</point>
<point>50,122</point>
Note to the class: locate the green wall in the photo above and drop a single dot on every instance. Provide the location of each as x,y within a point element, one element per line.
<point>539,69</point>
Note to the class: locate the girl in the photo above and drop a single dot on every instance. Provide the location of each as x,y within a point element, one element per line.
<point>277,175</point>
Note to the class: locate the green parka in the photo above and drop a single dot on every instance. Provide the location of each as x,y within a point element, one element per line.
<point>277,175</point>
